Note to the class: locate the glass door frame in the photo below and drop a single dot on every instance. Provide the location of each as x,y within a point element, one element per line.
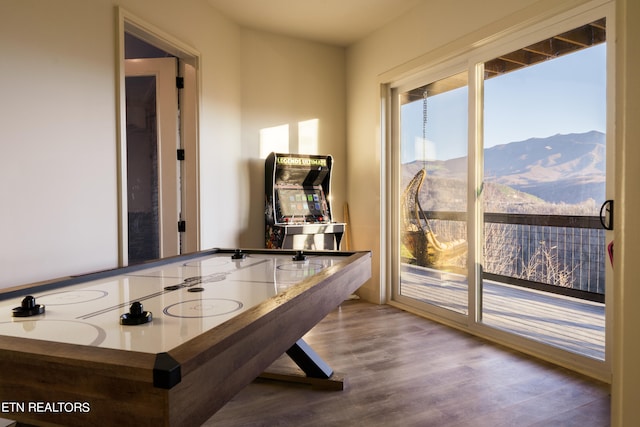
<point>473,60</point>
<point>435,74</point>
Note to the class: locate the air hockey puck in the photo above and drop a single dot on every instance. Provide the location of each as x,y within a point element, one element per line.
<point>137,316</point>
<point>28,308</point>
<point>238,255</point>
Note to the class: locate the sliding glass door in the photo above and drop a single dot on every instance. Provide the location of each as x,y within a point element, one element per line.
<point>544,183</point>
<point>500,170</point>
<point>433,193</point>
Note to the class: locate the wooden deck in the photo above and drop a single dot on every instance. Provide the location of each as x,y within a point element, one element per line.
<point>565,322</point>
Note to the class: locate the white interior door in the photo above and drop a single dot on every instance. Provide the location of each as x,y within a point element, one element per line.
<point>153,199</point>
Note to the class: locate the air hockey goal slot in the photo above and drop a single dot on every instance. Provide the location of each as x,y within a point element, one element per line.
<point>136,316</point>
<point>28,308</point>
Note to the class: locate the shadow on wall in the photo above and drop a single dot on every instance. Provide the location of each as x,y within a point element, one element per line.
<point>253,235</point>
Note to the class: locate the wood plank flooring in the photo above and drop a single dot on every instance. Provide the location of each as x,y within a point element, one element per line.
<point>403,370</point>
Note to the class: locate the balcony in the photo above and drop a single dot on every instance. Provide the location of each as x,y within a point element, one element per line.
<point>543,277</point>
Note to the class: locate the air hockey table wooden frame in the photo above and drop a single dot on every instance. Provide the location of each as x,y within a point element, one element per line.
<point>183,386</point>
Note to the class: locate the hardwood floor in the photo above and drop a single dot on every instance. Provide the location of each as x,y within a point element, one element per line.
<point>403,370</point>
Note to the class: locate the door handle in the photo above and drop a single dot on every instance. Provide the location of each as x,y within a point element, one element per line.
<point>606,215</point>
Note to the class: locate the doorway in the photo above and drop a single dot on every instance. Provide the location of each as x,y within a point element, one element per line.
<point>158,152</point>
<point>153,190</point>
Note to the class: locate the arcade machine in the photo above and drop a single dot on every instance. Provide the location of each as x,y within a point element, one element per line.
<point>298,210</point>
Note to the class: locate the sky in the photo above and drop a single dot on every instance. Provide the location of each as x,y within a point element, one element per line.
<point>559,96</point>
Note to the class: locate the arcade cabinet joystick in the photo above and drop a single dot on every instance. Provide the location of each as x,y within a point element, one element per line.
<point>137,316</point>
<point>238,255</point>
<point>299,256</point>
<point>28,308</point>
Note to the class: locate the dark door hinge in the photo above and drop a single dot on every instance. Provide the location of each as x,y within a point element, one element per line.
<point>180,153</point>
<point>180,82</point>
<point>182,226</point>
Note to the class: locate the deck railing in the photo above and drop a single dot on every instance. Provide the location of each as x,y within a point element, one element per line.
<point>555,253</point>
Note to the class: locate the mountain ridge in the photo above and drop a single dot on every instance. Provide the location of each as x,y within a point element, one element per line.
<point>563,168</point>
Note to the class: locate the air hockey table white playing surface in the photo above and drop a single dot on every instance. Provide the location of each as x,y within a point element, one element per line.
<point>185,299</point>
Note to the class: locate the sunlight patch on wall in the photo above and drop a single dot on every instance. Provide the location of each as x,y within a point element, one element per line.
<point>280,139</point>
<point>308,137</point>
<point>274,139</point>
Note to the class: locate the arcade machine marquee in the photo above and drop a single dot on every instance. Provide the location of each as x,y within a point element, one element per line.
<point>297,203</point>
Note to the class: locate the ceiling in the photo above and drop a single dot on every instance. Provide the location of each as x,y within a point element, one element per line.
<point>336,22</point>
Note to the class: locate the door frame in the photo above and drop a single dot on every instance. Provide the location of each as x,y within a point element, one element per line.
<point>434,74</point>
<point>189,101</point>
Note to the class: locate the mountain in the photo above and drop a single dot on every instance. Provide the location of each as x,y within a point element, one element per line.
<point>561,168</point>
<point>558,169</point>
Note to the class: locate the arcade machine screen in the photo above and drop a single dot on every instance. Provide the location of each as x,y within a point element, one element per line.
<point>302,205</point>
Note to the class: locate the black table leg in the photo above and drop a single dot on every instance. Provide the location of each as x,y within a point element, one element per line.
<point>309,361</point>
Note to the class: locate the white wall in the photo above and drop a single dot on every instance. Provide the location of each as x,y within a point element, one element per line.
<point>58,130</point>
<point>285,82</point>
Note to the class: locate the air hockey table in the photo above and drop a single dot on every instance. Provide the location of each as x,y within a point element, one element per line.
<point>167,342</point>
